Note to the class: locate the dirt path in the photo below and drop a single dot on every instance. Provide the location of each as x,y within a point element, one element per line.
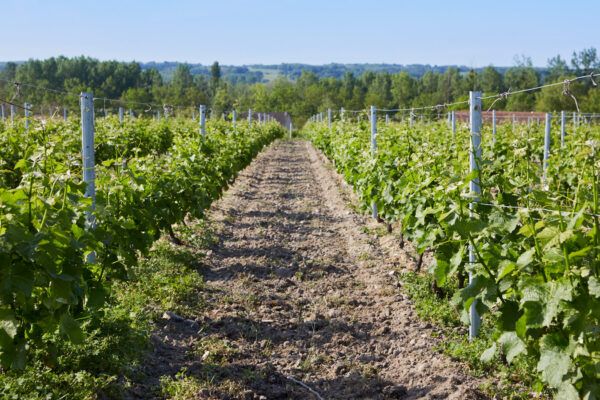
<point>299,293</point>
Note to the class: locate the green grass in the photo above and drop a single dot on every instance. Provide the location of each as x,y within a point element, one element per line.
<point>118,336</point>
<point>517,380</point>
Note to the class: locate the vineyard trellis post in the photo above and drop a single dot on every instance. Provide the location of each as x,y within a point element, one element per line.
<point>202,112</point>
<point>2,112</point>
<point>130,113</point>
<point>121,113</point>
<point>493,126</point>
<point>27,107</point>
<point>562,128</point>
<point>453,122</point>
<point>12,114</point>
<point>65,113</point>
<point>234,119</point>
<point>387,119</point>
<point>87,152</point>
<point>575,122</point>
<point>329,119</point>
<point>374,148</point>
<point>291,129</point>
<point>342,114</point>
<point>547,140</point>
<point>249,116</point>
<point>474,158</point>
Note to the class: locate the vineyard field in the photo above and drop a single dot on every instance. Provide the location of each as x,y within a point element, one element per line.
<point>536,274</point>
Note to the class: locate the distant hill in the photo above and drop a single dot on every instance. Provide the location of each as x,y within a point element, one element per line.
<point>267,73</point>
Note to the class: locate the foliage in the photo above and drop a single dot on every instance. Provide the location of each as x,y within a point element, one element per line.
<point>162,174</point>
<point>301,90</point>
<point>536,242</point>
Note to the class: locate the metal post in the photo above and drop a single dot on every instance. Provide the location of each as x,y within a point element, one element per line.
<point>329,118</point>
<point>65,113</point>
<point>387,119</point>
<point>121,112</point>
<point>27,107</point>
<point>374,148</point>
<point>12,113</point>
<point>87,152</point>
<point>547,140</point>
<point>202,120</point>
<point>291,129</point>
<point>453,121</point>
<point>562,128</point>
<point>130,113</point>
<point>474,157</point>
<point>2,112</point>
<point>234,118</point>
<point>249,116</point>
<point>342,114</point>
<point>412,117</point>
<point>494,126</point>
<point>575,120</point>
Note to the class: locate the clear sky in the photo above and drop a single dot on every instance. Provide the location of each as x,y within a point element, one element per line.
<point>471,33</point>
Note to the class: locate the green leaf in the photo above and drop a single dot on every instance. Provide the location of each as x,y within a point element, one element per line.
<point>488,355</point>
<point>526,258</point>
<point>511,345</point>
<point>8,323</point>
<point>440,271</point>
<point>554,361</point>
<point>505,268</point>
<point>594,286</point>
<point>71,328</point>
<point>566,391</point>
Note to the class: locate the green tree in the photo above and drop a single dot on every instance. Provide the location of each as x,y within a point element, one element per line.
<point>522,76</point>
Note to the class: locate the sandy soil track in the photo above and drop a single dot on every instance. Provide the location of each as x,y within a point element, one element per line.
<point>299,293</point>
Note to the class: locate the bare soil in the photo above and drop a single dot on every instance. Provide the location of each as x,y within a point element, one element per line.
<point>302,301</point>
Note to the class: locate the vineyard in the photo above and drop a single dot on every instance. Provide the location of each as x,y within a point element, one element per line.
<point>60,250</point>
<point>203,265</point>
<point>535,271</point>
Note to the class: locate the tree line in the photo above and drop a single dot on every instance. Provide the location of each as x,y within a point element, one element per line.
<point>136,87</point>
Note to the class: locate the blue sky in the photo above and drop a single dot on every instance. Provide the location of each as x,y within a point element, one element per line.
<point>471,33</point>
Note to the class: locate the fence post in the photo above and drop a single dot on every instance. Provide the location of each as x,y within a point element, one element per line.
<point>26,106</point>
<point>121,112</point>
<point>494,126</point>
<point>202,112</point>
<point>562,128</point>
<point>453,122</point>
<point>87,152</point>
<point>374,148</point>
<point>474,157</point>
<point>547,140</point>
